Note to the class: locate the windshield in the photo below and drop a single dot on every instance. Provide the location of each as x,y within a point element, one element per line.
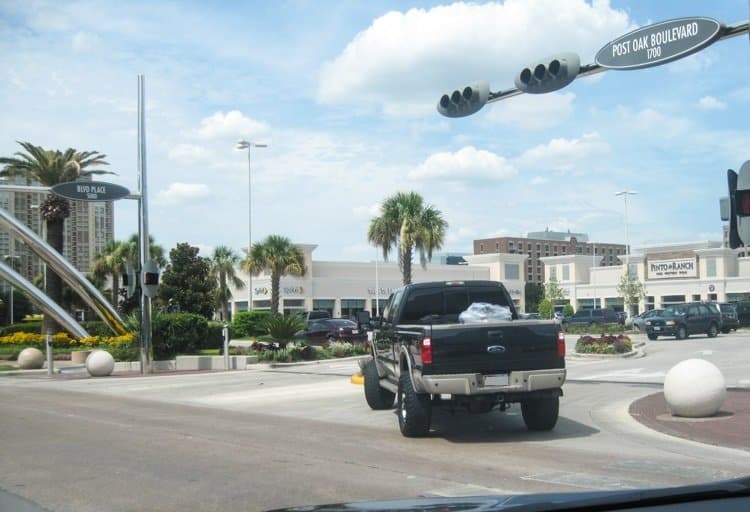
<point>267,254</point>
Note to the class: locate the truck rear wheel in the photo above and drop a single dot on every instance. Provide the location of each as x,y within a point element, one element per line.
<point>540,413</point>
<point>377,398</point>
<point>414,409</point>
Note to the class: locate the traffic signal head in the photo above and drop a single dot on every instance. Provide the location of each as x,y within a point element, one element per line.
<point>742,203</point>
<point>466,101</point>
<point>150,278</point>
<point>549,74</point>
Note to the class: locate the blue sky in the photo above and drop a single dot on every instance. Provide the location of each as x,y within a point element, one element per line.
<point>344,93</point>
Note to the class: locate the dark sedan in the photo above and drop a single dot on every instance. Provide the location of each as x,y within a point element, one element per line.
<point>729,319</point>
<point>333,329</point>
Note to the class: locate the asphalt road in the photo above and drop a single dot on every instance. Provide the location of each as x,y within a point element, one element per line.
<point>262,439</point>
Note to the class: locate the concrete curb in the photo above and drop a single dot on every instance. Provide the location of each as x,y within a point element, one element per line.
<point>633,354</point>
<point>321,361</point>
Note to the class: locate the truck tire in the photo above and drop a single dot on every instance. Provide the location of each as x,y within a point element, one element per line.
<point>540,413</point>
<point>681,333</point>
<point>652,337</point>
<point>377,398</point>
<point>414,409</point>
<point>713,330</point>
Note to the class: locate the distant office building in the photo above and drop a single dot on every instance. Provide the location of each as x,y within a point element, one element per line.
<point>88,229</point>
<point>550,243</point>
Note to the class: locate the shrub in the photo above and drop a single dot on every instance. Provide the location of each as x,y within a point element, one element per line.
<point>593,329</point>
<point>283,328</point>
<point>34,326</point>
<point>546,309</point>
<point>246,324</point>
<point>97,328</point>
<point>215,335</point>
<point>178,333</point>
<point>568,310</point>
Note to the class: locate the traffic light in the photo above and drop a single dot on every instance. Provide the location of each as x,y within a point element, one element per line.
<point>128,280</point>
<point>150,278</point>
<point>742,204</point>
<point>464,102</point>
<point>549,74</point>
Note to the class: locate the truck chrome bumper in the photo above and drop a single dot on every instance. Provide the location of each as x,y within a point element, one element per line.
<point>474,383</point>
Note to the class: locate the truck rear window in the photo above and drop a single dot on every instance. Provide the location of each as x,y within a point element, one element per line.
<point>443,305</point>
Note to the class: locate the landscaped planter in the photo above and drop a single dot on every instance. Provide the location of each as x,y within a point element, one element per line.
<point>79,356</point>
<point>607,344</point>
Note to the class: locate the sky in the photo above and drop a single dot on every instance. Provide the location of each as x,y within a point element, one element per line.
<point>345,93</point>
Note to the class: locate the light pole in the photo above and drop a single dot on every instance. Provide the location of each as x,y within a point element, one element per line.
<point>625,194</point>
<point>243,144</point>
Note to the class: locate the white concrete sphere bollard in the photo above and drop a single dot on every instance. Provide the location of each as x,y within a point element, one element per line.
<point>30,359</point>
<point>694,388</point>
<point>100,363</point>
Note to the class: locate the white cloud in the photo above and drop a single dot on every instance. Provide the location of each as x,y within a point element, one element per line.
<point>412,57</point>
<point>532,111</point>
<point>364,211</point>
<point>563,155</point>
<point>694,63</point>
<point>83,41</point>
<point>461,234</point>
<point>538,180</point>
<point>179,192</point>
<point>188,153</point>
<point>466,162</point>
<point>711,103</point>
<point>232,124</point>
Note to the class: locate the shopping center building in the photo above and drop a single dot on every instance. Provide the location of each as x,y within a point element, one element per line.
<point>671,273</point>
<point>343,288</point>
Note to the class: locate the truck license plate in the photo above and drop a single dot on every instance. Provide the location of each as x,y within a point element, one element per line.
<point>496,380</point>
<point>657,328</point>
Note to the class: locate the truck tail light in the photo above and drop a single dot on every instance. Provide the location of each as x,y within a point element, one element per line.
<point>560,344</point>
<point>426,351</point>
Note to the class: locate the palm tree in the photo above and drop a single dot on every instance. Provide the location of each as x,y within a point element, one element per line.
<point>281,257</point>
<point>132,254</point>
<point>406,224</point>
<point>111,261</point>
<point>223,263</point>
<point>49,168</point>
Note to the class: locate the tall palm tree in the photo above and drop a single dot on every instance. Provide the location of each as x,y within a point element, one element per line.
<point>223,263</point>
<point>132,254</point>
<point>281,257</point>
<point>111,262</point>
<point>50,167</point>
<point>405,223</point>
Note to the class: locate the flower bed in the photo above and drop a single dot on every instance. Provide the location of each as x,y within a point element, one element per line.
<point>122,348</point>
<point>295,351</point>
<point>605,344</point>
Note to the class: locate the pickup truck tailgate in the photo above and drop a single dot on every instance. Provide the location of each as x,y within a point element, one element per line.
<point>494,347</point>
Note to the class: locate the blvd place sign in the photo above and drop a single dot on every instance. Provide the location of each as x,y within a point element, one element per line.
<point>659,43</point>
<point>90,191</point>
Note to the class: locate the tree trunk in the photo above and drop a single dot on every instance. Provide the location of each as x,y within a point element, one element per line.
<point>53,283</point>
<point>407,265</point>
<point>275,283</point>
<point>115,288</point>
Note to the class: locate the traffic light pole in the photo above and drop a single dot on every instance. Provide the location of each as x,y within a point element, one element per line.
<point>143,238</point>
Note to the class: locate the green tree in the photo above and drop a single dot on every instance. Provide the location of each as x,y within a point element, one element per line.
<point>280,257</point>
<point>553,292</point>
<point>50,167</point>
<point>533,293</point>
<point>132,257</point>
<point>186,283</point>
<point>224,261</point>
<point>406,224</point>
<point>111,262</point>
<point>568,310</point>
<point>631,289</point>
<point>546,309</point>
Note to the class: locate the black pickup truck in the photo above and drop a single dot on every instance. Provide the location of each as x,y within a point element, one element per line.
<point>422,356</point>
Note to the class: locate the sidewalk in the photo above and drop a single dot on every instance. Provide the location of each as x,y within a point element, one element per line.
<point>730,427</point>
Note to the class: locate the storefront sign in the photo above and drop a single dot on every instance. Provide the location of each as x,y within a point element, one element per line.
<point>664,269</point>
<point>293,290</point>
<point>382,292</point>
<point>659,43</point>
<point>261,291</point>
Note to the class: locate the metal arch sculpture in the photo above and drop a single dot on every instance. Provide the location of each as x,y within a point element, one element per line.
<point>67,273</point>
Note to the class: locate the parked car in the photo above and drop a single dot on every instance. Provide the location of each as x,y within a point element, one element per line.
<point>332,329</point>
<point>729,319</point>
<point>682,320</point>
<point>743,312</point>
<point>592,317</point>
<point>315,314</point>
<point>639,321</point>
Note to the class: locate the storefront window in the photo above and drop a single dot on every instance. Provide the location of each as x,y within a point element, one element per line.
<point>553,272</point>
<point>710,267</point>
<point>324,305</point>
<point>291,306</point>
<point>668,300</point>
<point>261,304</point>
<point>511,271</point>
<point>349,307</point>
<point>614,303</point>
<point>241,305</point>
<point>566,272</point>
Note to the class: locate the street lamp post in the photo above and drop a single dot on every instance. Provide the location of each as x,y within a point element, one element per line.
<point>243,144</point>
<point>625,194</point>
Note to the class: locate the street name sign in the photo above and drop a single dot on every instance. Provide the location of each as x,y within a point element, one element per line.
<point>90,191</point>
<point>659,43</point>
